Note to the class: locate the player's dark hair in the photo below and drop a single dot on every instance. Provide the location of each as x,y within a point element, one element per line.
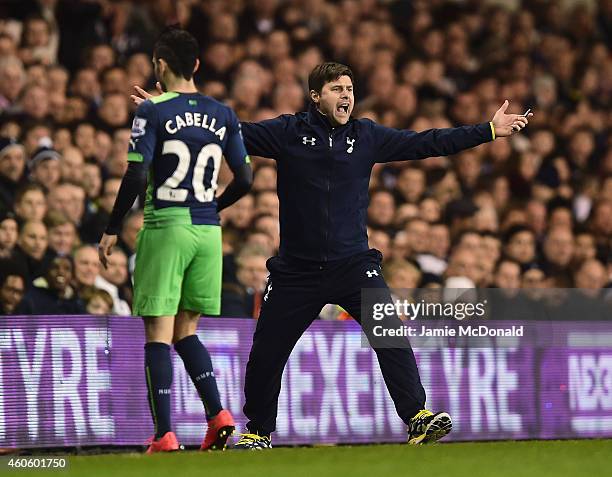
<point>179,49</point>
<point>326,72</point>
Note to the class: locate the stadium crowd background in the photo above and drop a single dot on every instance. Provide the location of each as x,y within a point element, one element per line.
<point>532,211</point>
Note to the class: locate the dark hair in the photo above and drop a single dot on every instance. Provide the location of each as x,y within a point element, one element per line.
<point>105,72</point>
<point>558,203</point>
<point>28,188</point>
<point>505,259</point>
<point>515,229</point>
<point>438,223</point>
<point>326,72</point>
<point>28,126</point>
<point>490,234</point>
<point>378,190</point>
<point>68,258</point>
<point>13,268</point>
<point>33,18</point>
<point>179,49</point>
<point>460,236</point>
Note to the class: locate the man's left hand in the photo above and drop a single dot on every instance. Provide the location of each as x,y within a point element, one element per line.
<point>508,124</point>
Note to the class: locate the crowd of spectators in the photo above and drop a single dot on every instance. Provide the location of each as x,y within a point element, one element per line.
<point>531,211</point>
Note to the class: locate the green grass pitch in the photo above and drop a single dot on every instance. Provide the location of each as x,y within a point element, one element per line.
<point>494,459</point>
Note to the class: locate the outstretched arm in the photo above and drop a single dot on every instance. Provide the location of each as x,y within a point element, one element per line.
<point>396,145</point>
<point>264,138</point>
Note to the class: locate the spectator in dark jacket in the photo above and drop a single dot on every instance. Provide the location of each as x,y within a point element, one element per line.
<point>58,298</point>
<point>32,251</point>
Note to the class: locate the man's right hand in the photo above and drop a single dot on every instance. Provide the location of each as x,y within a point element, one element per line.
<point>105,248</point>
<point>144,95</point>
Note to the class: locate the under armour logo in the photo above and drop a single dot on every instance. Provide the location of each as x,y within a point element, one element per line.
<point>351,143</point>
<point>372,273</point>
<point>309,140</point>
<point>268,289</point>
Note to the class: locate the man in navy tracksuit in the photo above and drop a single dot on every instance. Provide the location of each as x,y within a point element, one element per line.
<point>324,159</point>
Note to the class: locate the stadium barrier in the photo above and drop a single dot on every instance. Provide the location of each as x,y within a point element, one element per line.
<point>78,381</point>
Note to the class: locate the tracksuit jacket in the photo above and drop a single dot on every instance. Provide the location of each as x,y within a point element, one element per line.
<point>324,172</point>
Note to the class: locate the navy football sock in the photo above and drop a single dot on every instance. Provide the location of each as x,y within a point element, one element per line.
<point>158,372</point>
<point>199,367</point>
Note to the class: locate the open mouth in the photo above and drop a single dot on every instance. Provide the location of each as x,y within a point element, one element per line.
<point>343,108</point>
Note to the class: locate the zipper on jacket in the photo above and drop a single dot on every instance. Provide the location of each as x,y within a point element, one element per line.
<point>331,165</point>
